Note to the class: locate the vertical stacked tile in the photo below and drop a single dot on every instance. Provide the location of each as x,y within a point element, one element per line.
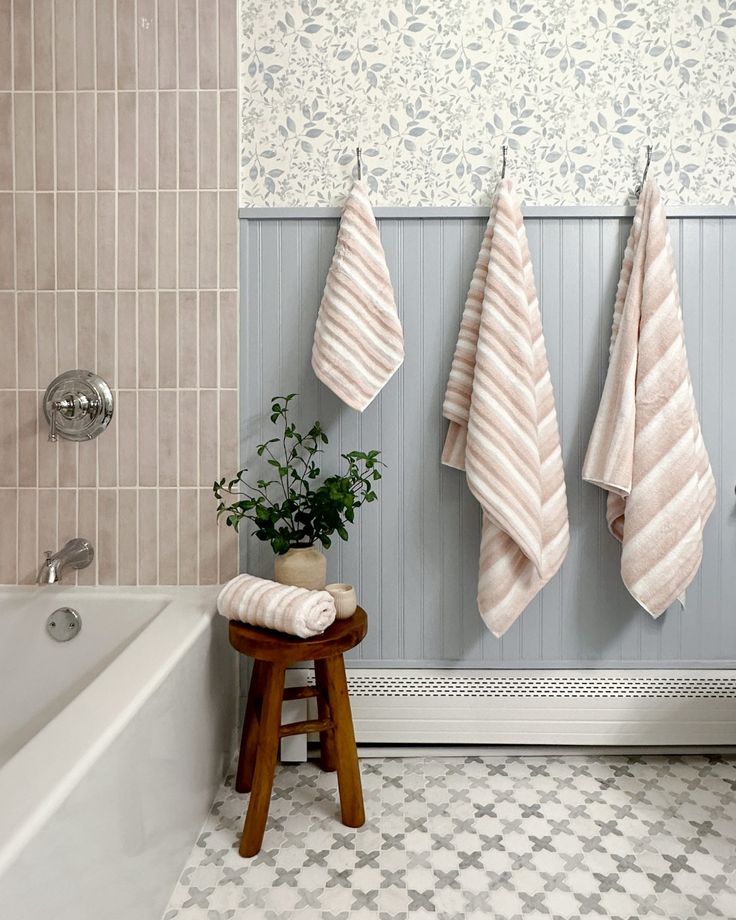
<point>118,253</point>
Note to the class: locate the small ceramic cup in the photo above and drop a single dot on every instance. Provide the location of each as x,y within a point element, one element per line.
<point>345,600</point>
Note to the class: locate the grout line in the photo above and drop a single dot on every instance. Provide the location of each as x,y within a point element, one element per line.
<point>40,390</point>
<point>197,218</point>
<point>54,185</point>
<point>15,295</point>
<point>136,270</point>
<point>122,290</point>
<point>116,578</point>
<point>177,330</point>
<point>164,91</point>
<point>154,488</point>
<point>157,318</point>
<point>76,209</point>
<point>35,271</point>
<point>96,127</point>
<point>218,303</point>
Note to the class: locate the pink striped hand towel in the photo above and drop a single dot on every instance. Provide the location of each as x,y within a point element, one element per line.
<point>646,448</point>
<point>272,605</point>
<point>358,341</point>
<point>503,425</point>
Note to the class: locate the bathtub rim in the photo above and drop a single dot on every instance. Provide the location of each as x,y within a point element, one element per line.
<point>33,785</point>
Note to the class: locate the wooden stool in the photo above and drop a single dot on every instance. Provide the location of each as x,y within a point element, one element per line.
<point>262,728</point>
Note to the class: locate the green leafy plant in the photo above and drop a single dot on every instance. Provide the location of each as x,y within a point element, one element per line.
<point>293,510</point>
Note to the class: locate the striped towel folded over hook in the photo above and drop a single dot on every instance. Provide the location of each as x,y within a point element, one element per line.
<point>646,448</point>
<point>358,340</point>
<point>503,425</point>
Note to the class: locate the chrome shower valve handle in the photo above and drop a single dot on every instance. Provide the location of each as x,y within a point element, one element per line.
<point>52,422</point>
<point>78,406</point>
<point>65,406</point>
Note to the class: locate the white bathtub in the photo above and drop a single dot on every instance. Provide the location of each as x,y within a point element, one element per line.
<point>111,747</point>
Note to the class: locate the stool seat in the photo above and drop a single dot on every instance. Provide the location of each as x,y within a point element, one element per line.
<point>269,645</point>
<point>272,653</point>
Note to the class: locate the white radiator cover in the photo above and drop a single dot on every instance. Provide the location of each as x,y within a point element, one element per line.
<point>545,707</point>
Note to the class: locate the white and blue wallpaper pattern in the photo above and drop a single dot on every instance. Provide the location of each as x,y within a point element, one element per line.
<point>431,90</point>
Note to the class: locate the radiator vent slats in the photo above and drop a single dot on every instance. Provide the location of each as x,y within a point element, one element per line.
<point>550,686</point>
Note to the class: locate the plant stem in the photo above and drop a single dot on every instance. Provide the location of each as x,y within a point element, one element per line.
<point>287,459</point>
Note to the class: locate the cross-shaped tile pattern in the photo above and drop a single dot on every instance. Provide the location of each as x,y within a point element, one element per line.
<point>479,838</point>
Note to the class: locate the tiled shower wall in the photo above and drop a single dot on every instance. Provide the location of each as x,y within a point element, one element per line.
<point>118,253</point>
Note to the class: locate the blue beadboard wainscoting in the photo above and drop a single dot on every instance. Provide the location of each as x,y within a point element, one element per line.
<point>413,555</point>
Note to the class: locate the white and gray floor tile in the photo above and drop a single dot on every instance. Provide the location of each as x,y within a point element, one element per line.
<point>498,838</point>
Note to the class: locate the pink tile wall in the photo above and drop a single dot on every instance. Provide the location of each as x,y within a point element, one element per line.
<point>118,253</point>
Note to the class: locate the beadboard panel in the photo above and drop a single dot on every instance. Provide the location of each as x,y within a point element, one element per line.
<point>413,555</point>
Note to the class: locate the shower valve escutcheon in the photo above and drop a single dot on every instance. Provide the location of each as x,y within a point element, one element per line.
<point>78,406</point>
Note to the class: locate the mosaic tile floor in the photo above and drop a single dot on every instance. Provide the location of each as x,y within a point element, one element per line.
<point>498,838</point>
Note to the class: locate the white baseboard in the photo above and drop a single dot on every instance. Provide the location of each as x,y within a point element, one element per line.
<point>544,751</point>
<point>624,708</point>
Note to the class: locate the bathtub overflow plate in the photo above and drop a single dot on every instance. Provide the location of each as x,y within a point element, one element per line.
<point>63,624</point>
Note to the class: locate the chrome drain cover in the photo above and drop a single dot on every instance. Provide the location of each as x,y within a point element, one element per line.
<point>63,624</point>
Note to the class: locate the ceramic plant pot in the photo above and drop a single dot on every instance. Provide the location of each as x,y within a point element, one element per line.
<point>304,567</point>
<point>344,598</point>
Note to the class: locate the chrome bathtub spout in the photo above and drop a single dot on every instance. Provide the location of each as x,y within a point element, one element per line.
<point>76,554</point>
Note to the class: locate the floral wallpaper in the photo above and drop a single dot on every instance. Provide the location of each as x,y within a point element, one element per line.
<point>431,90</point>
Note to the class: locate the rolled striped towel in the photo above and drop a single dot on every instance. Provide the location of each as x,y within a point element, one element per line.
<point>358,340</point>
<point>503,426</point>
<point>646,448</point>
<point>271,605</point>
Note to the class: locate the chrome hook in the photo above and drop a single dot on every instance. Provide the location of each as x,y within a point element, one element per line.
<point>504,151</point>
<point>358,154</point>
<point>646,170</point>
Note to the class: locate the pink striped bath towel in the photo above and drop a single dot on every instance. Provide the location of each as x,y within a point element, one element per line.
<point>646,448</point>
<point>358,341</point>
<point>271,605</point>
<point>503,425</point>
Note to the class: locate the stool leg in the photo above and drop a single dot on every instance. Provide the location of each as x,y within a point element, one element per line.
<point>249,738</point>
<point>326,739</point>
<point>268,749</point>
<point>346,754</point>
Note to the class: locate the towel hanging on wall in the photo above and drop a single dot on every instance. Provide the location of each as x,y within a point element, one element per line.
<point>503,425</point>
<point>358,340</point>
<point>646,447</point>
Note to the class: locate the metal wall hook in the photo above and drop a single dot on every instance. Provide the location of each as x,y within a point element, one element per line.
<point>358,154</point>
<point>646,170</point>
<point>504,151</point>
